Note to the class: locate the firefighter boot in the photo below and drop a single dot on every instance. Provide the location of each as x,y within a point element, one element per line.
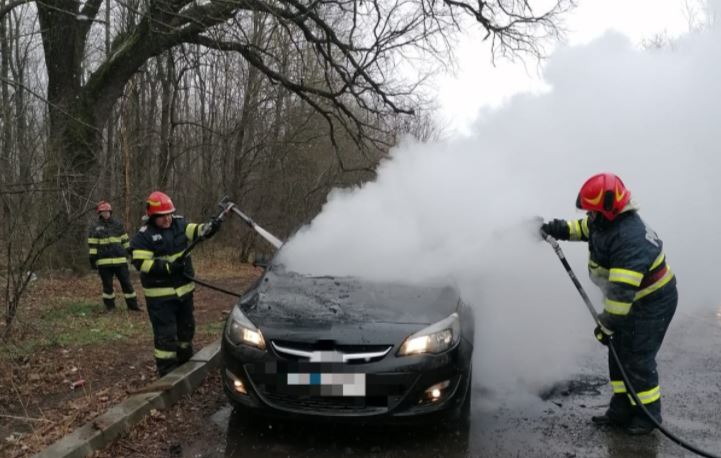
<point>132,303</point>
<point>185,351</point>
<point>109,302</point>
<point>641,424</point>
<point>619,412</point>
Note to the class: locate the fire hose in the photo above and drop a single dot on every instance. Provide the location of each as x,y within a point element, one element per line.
<point>614,354</point>
<point>228,206</point>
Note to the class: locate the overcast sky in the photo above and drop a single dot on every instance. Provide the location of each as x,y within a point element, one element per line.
<point>478,83</point>
<point>460,208</point>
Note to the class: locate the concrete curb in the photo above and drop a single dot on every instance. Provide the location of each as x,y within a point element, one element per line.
<point>119,419</point>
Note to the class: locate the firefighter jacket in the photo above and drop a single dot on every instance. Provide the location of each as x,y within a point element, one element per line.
<point>153,251</point>
<point>626,260</point>
<point>108,243</point>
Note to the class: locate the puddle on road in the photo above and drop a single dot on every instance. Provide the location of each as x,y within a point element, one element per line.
<point>584,385</point>
<point>250,436</point>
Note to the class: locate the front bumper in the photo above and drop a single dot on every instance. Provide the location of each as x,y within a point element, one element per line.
<point>395,388</point>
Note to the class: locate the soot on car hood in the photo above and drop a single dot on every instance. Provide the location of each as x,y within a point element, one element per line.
<point>284,296</point>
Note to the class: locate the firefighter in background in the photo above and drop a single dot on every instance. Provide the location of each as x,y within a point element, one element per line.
<point>157,252</point>
<point>626,260</point>
<point>108,243</point>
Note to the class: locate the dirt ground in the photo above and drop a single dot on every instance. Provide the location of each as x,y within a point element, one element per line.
<point>173,432</point>
<point>68,361</point>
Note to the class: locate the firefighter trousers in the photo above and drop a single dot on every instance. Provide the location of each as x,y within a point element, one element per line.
<point>107,273</point>
<point>637,345</point>
<point>173,330</point>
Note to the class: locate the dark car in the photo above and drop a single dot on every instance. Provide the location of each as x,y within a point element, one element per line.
<point>345,347</point>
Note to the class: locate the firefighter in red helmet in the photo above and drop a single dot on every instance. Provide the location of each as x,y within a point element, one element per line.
<point>108,243</point>
<point>158,253</point>
<point>626,260</point>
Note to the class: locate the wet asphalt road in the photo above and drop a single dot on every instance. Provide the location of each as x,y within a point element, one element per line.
<point>559,426</point>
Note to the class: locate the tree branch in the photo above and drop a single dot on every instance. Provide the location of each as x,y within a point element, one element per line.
<point>11,6</point>
<point>86,17</point>
<point>303,91</point>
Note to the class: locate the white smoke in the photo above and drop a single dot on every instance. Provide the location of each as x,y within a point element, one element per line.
<point>462,208</point>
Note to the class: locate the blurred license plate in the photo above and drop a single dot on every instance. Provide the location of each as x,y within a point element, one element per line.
<point>331,384</point>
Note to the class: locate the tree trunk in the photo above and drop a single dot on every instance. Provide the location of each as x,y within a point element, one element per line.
<point>73,135</point>
<point>5,115</point>
<point>165,160</point>
<point>6,111</point>
<point>245,137</point>
<point>24,156</point>
<point>109,171</point>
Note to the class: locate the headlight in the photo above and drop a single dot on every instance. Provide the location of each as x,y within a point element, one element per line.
<point>436,338</point>
<point>240,330</point>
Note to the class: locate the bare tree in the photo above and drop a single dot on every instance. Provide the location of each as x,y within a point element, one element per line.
<point>357,44</point>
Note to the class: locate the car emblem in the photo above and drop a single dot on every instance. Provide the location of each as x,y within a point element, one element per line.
<point>326,357</point>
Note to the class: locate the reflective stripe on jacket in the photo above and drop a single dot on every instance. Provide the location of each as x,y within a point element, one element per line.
<point>153,249</point>
<point>108,242</point>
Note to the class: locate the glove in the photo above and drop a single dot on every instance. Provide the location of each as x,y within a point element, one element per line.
<point>602,334</point>
<point>604,330</point>
<point>211,227</point>
<point>93,265</point>
<point>556,228</point>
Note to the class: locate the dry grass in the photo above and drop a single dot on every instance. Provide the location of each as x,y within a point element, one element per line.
<point>62,337</point>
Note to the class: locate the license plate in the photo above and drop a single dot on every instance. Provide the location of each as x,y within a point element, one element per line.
<point>331,384</point>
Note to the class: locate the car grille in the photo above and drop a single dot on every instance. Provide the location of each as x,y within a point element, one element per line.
<point>349,354</point>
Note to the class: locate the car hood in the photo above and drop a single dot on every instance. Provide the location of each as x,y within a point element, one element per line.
<point>344,303</point>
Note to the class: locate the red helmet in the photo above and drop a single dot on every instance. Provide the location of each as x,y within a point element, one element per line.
<point>604,193</point>
<point>158,203</point>
<point>103,206</point>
